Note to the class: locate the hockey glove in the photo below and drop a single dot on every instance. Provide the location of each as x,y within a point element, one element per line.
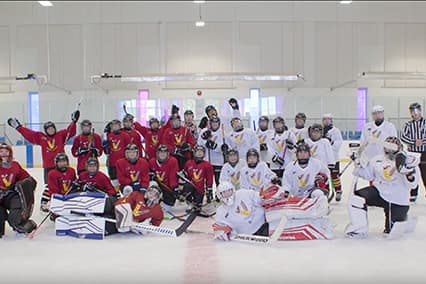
<point>333,169</point>
<point>224,148</point>
<point>263,147</point>
<point>222,233</point>
<point>203,123</point>
<point>278,160</point>
<point>233,103</point>
<point>13,122</point>
<point>185,147</point>
<point>209,194</point>
<point>136,186</point>
<point>75,116</point>
<point>400,160</point>
<point>94,152</point>
<point>82,151</point>
<point>175,109</point>
<point>276,180</point>
<point>152,176</point>
<point>289,144</point>
<point>210,144</point>
<point>107,128</point>
<point>206,134</point>
<point>89,187</point>
<point>105,146</point>
<point>321,181</point>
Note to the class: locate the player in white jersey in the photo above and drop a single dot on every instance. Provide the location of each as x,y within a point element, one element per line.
<point>320,147</point>
<point>241,138</point>
<point>262,133</point>
<point>378,128</point>
<point>281,145</point>
<point>393,176</point>
<point>212,111</point>
<point>240,213</point>
<point>333,134</point>
<point>256,175</point>
<point>307,176</point>
<point>212,139</point>
<point>299,130</point>
<point>232,170</point>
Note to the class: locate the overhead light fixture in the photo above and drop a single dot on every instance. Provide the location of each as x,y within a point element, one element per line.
<point>199,2</point>
<point>345,2</point>
<point>45,3</point>
<point>393,75</point>
<point>200,22</point>
<point>40,79</point>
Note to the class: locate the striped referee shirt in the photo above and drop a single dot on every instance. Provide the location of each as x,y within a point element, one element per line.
<point>414,130</point>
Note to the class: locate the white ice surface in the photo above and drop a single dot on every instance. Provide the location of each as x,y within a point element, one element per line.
<point>196,258</point>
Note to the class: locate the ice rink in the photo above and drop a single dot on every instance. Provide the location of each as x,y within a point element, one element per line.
<point>196,258</point>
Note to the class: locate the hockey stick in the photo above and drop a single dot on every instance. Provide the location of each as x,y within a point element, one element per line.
<point>68,130</point>
<point>223,141</point>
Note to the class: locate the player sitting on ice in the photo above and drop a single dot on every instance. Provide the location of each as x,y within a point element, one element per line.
<point>232,171</point>
<point>133,171</point>
<point>93,215</point>
<point>16,194</point>
<point>96,181</point>
<point>241,212</point>
<point>393,174</point>
<point>198,175</point>
<point>256,175</point>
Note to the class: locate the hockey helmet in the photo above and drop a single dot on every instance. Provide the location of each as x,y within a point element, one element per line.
<point>226,193</point>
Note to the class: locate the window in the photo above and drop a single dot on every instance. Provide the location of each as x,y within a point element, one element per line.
<point>33,111</point>
<point>268,106</point>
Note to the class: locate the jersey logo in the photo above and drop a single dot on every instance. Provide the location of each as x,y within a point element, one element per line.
<point>314,150</point>
<point>7,181</point>
<point>262,139</point>
<point>154,139</point>
<point>376,133</point>
<point>51,146</point>
<point>388,172</point>
<point>242,209</point>
<point>280,145</point>
<point>235,178</point>
<point>134,175</point>
<point>196,174</point>
<point>115,144</point>
<point>239,138</point>
<point>255,180</point>
<point>178,139</point>
<point>160,176</point>
<point>136,211</point>
<point>298,137</point>
<point>303,181</point>
<point>65,186</point>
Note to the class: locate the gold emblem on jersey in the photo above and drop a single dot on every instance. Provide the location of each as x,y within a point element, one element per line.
<point>280,145</point>
<point>262,139</point>
<point>134,176</point>
<point>239,138</point>
<point>178,139</point>
<point>154,139</point>
<point>235,178</point>
<point>115,144</point>
<point>303,181</point>
<point>388,172</point>
<point>51,146</point>
<point>7,181</point>
<point>65,186</point>
<point>160,176</point>
<point>255,179</point>
<point>242,209</point>
<point>196,174</point>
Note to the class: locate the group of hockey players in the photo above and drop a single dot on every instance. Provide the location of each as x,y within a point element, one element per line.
<point>261,175</point>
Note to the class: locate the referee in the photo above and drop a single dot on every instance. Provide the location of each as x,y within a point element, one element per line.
<point>413,134</point>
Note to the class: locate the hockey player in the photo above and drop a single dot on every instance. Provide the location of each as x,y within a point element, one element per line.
<point>188,118</point>
<point>256,175</point>
<point>61,180</point>
<point>115,147</point>
<point>262,133</point>
<point>87,144</point>
<point>51,142</point>
<point>179,140</point>
<point>96,181</point>
<point>232,171</point>
<point>333,134</point>
<point>16,194</point>
<point>211,111</point>
<point>392,174</point>
<point>164,169</point>
<point>281,146</point>
<point>240,213</point>
<point>151,136</point>
<point>299,130</point>
<point>307,176</point>
<point>135,137</point>
<point>133,171</point>
<point>212,139</point>
<point>199,179</point>
<point>242,138</point>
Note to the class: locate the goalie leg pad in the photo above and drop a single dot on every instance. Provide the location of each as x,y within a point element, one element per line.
<point>81,202</point>
<point>307,229</point>
<point>358,215</point>
<point>124,217</point>
<point>25,190</point>
<point>298,208</point>
<point>80,227</point>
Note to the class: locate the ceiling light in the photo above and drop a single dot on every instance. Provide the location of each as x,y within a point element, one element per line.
<point>345,2</point>
<point>199,2</point>
<point>45,3</point>
<point>393,75</point>
<point>200,23</point>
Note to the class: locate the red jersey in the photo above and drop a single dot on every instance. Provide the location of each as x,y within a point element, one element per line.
<point>50,145</point>
<point>166,172</point>
<point>87,142</point>
<point>152,140</point>
<point>176,137</point>
<point>141,211</point>
<point>135,138</point>
<point>9,176</point>
<point>128,172</point>
<point>60,182</point>
<point>99,180</point>
<point>200,174</point>
<point>117,146</point>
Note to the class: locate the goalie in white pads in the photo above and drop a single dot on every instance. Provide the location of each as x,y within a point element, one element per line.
<point>393,174</point>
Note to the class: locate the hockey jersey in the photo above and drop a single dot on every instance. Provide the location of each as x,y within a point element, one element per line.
<point>86,142</point>
<point>165,173</point>
<point>60,182</point>
<point>256,178</point>
<point>384,130</point>
<point>99,180</point>
<point>262,136</point>
<point>335,137</point>
<point>128,173</point>
<point>140,210</point>
<point>152,140</point>
<point>200,174</point>
<point>216,155</point>
<point>117,146</point>
<point>177,137</point>
<point>321,150</point>
<point>233,174</point>
<point>135,138</point>
<point>242,141</point>
<point>300,133</point>
<point>277,146</point>
<point>9,176</point>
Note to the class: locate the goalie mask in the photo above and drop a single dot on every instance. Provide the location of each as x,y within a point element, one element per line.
<point>300,120</point>
<point>199,153</point>
<point>6,154</point>
<point>61,162</point>
<point>154,124</point>
<point>232,157</point>
<point>132,153</point>
<point>86,126</point>
<point>115,126</point>
<point>303,153</point>
<point>152,195</point>
<point>49,128</point>
<point>214,123</point>
<point>162,153</point>
<point>279,124</point>
<point>416,111</point>
<point>128,121</point>
<point>390,154</point>
<point>237,124</point>
<point>315,132</point>
<point>252,158</point>
<point>226,193</point>
<point>92,166</point>
<point>263,122</point>
<point>378,114</point>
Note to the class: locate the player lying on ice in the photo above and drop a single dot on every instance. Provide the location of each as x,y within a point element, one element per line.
<point>393,174</point>
<point>93,215</point>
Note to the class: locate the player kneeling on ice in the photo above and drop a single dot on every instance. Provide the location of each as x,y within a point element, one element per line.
<point>96,181</point>
<point>393,174</point>
<point>16,194</point>
<point>93,215</point>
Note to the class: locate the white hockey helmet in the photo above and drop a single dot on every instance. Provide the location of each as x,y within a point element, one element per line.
<point>226,193</point>
<point>378,108</point>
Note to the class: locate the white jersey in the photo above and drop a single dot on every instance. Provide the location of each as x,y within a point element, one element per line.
<point>277,146</point>
<point>336,141</point>
<point>256,178</point>
<point>300,133</point>
<point>386,129</point>
<point>301,181</point>
<point>216,155</point>
<point>321,150</point>
<point>232,174</point>
<point>262,136</point>
<point>245,215</point>
<point>393,186</point>
<point>242,141</point>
